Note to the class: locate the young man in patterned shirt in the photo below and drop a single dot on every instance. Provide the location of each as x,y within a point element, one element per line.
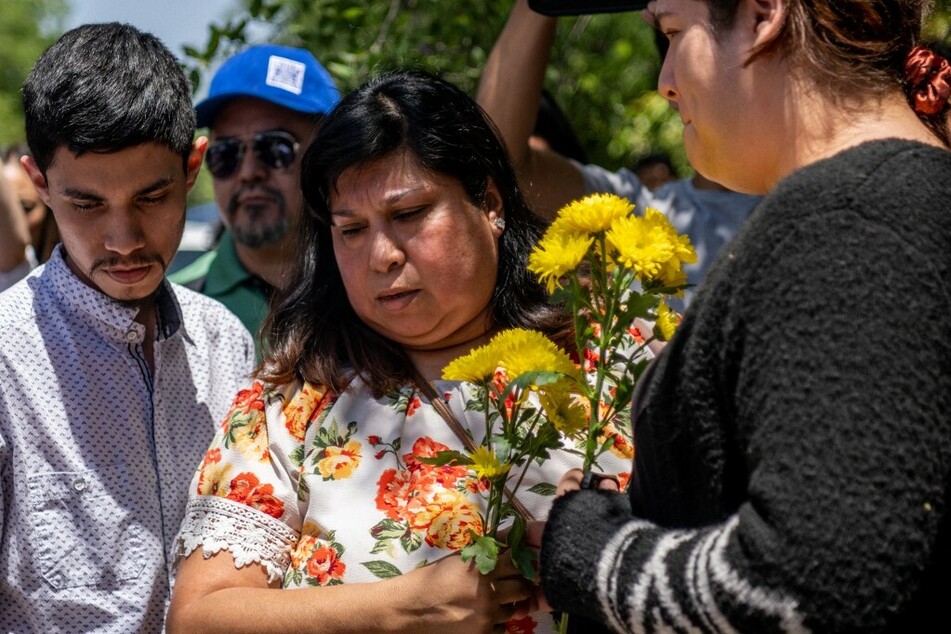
<point>111,379</point>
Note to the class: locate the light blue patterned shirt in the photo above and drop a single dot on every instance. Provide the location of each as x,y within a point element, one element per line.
<point>96,451</point>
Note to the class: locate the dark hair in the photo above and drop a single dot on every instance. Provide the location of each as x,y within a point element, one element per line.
<point>655,158</point>
<point>847,47</point>
<point>312,332</point>
<point>104,88</point>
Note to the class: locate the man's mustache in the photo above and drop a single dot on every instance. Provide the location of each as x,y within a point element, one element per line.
<point>132,261</point>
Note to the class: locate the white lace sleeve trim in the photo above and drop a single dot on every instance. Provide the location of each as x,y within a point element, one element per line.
<point>217,524</point>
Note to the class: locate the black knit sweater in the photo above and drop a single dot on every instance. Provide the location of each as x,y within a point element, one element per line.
<point>793,442</point>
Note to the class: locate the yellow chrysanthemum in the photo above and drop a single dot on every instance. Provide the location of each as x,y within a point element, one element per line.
<point>555,255</point>
<point>529,351</point>
<point>671,274</point>
<point>564,410</point>
<point>591,214</point>
<point>476,367</point>
<point>682,249</point>
<point>486,464</point>
<point>667,322</point>
<point>641,245</point>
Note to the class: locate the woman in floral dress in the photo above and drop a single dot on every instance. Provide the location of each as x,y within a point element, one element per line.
<point>413,254</point>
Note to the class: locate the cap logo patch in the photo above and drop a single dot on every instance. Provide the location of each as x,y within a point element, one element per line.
<point>285,74</point>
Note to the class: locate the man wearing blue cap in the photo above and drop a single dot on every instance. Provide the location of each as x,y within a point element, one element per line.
<point>261,109</point>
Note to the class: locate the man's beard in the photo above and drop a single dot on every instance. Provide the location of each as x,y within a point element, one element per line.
<point>256,230</point>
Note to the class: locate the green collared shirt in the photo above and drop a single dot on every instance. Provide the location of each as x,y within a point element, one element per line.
<point>220,275</point>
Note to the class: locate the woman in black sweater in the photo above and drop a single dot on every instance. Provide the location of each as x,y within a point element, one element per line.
<point>793,442</point>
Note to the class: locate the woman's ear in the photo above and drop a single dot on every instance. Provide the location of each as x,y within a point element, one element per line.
<point>494,209</point>
<point>767,18</point>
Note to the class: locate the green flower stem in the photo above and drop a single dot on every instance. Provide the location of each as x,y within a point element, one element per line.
<point>531,432</point>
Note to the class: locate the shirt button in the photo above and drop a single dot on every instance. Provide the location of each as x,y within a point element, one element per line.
<point>131,335</point>
<point>79,484</point>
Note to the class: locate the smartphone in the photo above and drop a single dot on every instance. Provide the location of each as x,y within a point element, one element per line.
<point>580,7</point>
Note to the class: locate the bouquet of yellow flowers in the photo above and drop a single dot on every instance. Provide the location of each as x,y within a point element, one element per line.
<point>606,267</point>
<point>609,267</point>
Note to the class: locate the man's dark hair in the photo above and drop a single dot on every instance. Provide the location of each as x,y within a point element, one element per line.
<point>104,88</point>
<point>655,158</point>
<point>313,333</point>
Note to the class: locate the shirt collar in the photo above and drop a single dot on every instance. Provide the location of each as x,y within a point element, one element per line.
<point>227,272</point>
<point>115,319</point>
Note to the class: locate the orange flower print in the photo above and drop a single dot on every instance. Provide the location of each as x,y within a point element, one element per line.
<point>394,489</point>
<point>636,333</point>
<point>623,479</point>
<point>413,405</point>
<point>324,566</point>
<point>591,359</point>
<point>315,561</point>
<point>447,520</point>
<point>250,436</point>
<point>426,447</point>
<point>302,552</point>
<point>212,474</point>
<point>426,503</point>
<point>245,428</point>
<point>622,447</point>
<point>249,400</point>
<point>499,382</point>
<point>339,454</point>
<point>339,463</point>
<point>247,489</point>
<point>524,625</point>
<point>304,409</point>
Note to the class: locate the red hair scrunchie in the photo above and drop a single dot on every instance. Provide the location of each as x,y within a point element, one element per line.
<point>929,77</point>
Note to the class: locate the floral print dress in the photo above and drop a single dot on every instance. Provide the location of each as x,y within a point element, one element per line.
<point>323,489</point>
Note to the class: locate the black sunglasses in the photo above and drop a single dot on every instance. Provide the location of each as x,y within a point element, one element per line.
<point>276,149</point>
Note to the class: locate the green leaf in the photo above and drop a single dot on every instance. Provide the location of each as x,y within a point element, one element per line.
<point>448,457</point>
<point>484,549</point>
<point>214,40</point>
<point>297,455</point>
<point>352,13</point>
<point>525,379</point>
<point>544,488</point>
<point>638,305</point>
<point>388,529</point>
<point>411,541</point>
<point>382,569</point>
<point>526,560</point>
<point>522,555</point>
<point>502,447</point>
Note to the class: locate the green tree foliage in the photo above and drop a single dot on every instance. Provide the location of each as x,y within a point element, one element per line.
<point>27,28</point>
<point>602,73</point>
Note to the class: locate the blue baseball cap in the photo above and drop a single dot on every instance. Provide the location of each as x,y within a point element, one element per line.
<point>285,76</point>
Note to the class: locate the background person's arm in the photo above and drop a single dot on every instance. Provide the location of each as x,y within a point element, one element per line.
<point>510,91</point>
